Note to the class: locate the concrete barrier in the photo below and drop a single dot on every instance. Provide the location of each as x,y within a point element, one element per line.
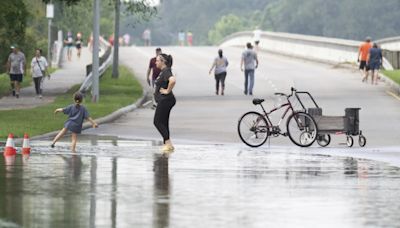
<point>330,50</point>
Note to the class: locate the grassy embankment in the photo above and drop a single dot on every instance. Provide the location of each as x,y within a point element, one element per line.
<point>393,74</point>
<point>114,94</point>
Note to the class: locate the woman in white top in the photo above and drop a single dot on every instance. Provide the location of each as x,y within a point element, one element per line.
<point>39,70</point>
<point>220,63</point>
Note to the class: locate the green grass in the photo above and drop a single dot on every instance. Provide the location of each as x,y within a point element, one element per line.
<point>114,94</point>
<point>393,74</point>
<point>5,87</point>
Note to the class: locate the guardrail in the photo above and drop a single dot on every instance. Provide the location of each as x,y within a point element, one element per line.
<point>315,48</point>
<point>105,61</point>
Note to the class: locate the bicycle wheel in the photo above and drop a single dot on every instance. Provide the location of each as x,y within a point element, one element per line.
<point>253,129</point>
<point>302,129</point>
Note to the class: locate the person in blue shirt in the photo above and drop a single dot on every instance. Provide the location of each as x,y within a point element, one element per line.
<point>77,113</point>
<point>374,62</point>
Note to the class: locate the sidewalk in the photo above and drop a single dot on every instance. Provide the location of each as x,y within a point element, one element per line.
<point>61,81</point>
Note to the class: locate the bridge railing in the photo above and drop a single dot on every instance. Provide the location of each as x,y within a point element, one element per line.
<point>315,48</point>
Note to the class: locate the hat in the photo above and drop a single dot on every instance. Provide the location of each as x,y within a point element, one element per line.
<point>368,38</point>
<point>14,46</point>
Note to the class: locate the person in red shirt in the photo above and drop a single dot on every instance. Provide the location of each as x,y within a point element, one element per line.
<point>363,57</point>
<point>155,72</point>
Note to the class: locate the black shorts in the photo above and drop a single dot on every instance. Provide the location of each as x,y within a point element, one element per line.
<point>16,77</point>
<point>363,65</point>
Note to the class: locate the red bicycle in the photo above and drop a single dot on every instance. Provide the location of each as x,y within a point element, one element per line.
<point>254,128</point>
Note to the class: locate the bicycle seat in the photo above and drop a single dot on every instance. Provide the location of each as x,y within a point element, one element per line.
<point>257,101</point>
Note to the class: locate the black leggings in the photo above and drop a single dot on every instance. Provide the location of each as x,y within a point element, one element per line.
<point>38,82</point>
<point>161,116</point>
<point>220,78</point>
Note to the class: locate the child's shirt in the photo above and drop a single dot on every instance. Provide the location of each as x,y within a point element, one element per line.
<point>76,116</point>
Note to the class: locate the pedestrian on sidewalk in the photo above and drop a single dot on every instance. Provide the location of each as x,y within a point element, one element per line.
<point>69,43</point>
<point>362,58</point>
<point>77,113</point>
<point>250,62</point>
<point>78,44</point>
<point>375,60</point>
<point>16,66</point>
<point>155,71</point>
<point>220,64</point>
<point>165,99</point>
<point>39,68</point>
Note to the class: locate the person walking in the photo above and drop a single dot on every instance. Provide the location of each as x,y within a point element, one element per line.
<point>69,43</point>
<point>77,113</point>
<point>147,37</point>
<point>250,62</point>
<point>78,44</point>
<point>362,58</point>
<point>16,66</point>
<point>257,38</point>
<point>165,99</point>
<point>154,71</point>
<point>220,64</point>
<point>39,68</point>
<point>374,61</point>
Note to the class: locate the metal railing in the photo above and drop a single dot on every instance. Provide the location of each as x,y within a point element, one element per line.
<point>105,60</point>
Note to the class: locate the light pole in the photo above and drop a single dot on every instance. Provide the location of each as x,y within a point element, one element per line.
<point>95,57</point>
<point>49,15</point>
<point>115,71</point>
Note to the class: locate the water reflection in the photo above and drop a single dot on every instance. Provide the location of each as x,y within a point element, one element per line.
<point>161,191</point>
<point>132,185</point>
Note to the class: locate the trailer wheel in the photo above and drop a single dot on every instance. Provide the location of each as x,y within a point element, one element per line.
<point>323,140</point>
<point>362,140</point>
<point>349,141</point>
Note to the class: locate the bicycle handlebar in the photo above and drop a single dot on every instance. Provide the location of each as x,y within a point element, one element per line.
<point>283,94</point>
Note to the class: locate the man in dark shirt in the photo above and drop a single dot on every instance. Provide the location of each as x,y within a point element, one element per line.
<point>155,72</point>
<point>153,68</point>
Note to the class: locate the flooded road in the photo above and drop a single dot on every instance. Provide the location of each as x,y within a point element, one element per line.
<point>123,183</point>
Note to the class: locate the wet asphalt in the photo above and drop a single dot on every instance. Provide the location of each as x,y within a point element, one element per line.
<point>112,182</point>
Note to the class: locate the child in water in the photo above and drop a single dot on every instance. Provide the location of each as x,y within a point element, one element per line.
<point>77,113</point>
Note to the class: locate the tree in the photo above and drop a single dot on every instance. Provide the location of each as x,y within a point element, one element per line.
<point>145,12</point>
<point>225,26</point>
<point>12,27</point>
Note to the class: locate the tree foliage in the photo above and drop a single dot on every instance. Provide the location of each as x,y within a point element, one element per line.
<point>12,27</point>
<point>348,19</point>
<point>225,26</point>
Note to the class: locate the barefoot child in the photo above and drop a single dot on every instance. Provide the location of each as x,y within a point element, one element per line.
<point>77,113</point>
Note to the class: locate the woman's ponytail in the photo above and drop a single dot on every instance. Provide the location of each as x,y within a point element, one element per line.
<point>167,59</point>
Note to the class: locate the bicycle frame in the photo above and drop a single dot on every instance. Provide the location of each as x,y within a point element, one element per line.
<point>289,108</point>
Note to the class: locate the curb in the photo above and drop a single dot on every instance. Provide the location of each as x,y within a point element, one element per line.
<point>393,86</point>
<point>106,119</point>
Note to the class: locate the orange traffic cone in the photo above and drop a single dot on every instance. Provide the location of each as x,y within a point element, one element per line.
<point>26,148</point>
<point>10,150</point>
